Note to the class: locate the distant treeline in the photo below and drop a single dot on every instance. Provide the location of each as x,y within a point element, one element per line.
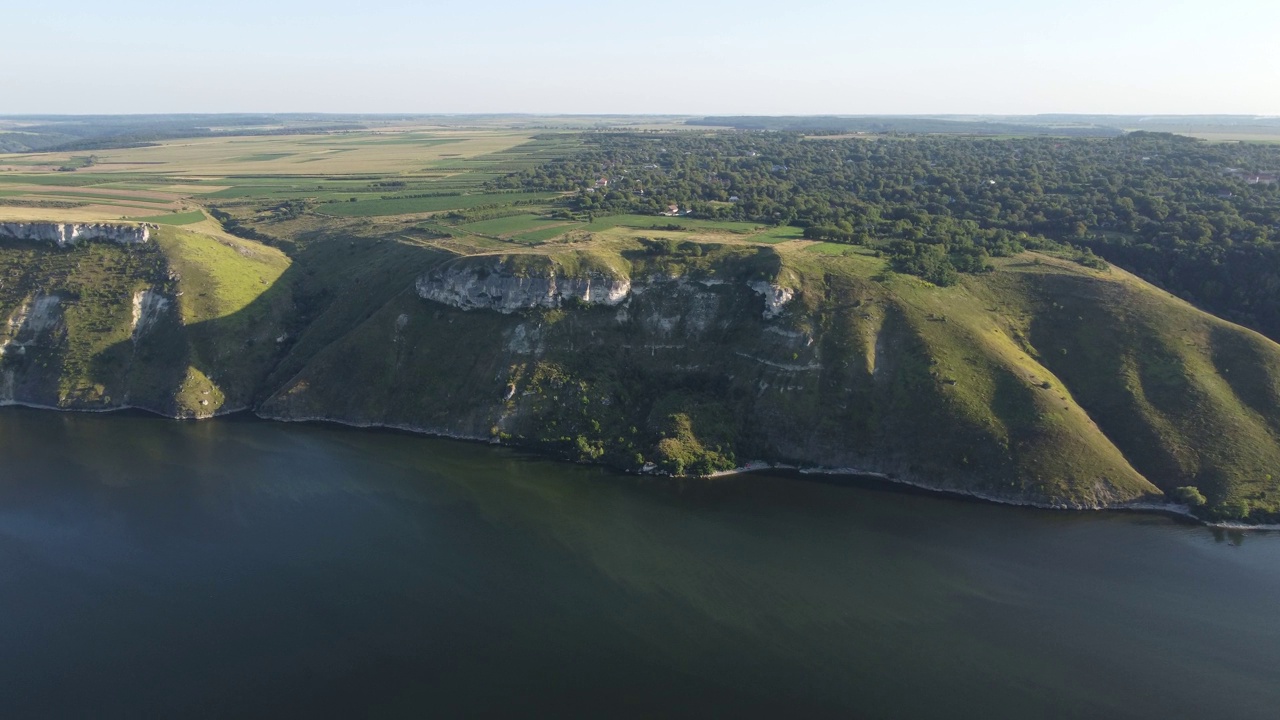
<point>878,124</point>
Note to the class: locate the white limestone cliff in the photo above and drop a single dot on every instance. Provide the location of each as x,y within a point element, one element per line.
<point>495,286</point>
<point>148,306</point>
<point>776,297</point>
<point>65,234</point>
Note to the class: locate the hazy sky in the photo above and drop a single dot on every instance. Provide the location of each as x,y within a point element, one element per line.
<point>649,56</point>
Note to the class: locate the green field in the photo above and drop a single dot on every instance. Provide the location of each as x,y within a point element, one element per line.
<point>513,225</point>
<point>662,222</point>
<point>186,218</point>
<point>263,157</point>
<point>408,206</point>
<point>449,166</point>
<point>829,248</point>
<point>782,233</point>
<point>539,236</point>
<point>103,197</point>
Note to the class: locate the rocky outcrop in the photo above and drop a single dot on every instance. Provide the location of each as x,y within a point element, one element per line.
<point>29,323</point>
<point>776,297</point>
<point>506,285</point>
<point>501,285</point>
<point>65,234</point>
<point>148,306</point>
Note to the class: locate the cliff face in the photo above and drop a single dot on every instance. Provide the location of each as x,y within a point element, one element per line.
<point>506,284</point>
<point>64,234</point>
<point>501,284</point>
<point>160,324</point>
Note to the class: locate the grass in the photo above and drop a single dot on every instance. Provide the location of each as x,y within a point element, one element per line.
<point>104,197</point>
<point>186,218</point>
<point>540,236</point>
<point>659,221</point>
<point>513,225</point>
<point>219,278</point>
<point>263,157</point>
<point>782,233</point>
<point>410,206</point>
<point>829,248</point>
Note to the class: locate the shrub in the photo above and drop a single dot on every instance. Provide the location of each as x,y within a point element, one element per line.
<point>1189,495</point>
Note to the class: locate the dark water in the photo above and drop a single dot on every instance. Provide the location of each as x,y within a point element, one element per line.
<point>231,568</point>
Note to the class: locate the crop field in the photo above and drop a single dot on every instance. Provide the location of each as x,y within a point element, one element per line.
<point>514,225</point>
<point>186,218</point>
<point>542,235</point>
<point>435,176</point>
<point>317,155</point>
<point>350,174</point>
<point>410,205</point>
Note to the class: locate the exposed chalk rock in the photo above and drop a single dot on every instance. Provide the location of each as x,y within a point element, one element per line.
<point>31,320</point>
<point>496,285</point>
<point>776,297</point>
<point>148,306</point>
<point>64,234</point>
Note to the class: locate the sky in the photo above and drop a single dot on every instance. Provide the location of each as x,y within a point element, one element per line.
<point>695,57</point>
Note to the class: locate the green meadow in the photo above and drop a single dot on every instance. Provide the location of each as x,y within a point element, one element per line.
<point>409,206</point>
<point>186,218</point>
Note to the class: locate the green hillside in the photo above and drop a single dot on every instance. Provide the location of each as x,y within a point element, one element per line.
<point>1043,382</point>
<point>929,308</point>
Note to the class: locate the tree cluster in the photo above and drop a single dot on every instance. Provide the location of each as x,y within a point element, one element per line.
<point>1200,219</point>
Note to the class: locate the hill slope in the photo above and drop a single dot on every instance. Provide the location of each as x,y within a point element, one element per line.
<point>1043,382</point>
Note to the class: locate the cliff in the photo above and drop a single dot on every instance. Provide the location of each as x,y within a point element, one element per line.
<point>1044,382</point>
<point>64,234</point>
<point>508,283</point>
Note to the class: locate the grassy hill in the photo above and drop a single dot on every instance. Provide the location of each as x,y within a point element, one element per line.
<point>1043,382</point>
<point>285,278</point>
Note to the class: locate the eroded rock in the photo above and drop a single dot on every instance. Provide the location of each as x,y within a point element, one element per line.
<point>776,297</point>
<point>500,285</point>
<point>65,234</point>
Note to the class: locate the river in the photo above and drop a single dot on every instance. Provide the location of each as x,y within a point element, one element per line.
<point>151,568</point>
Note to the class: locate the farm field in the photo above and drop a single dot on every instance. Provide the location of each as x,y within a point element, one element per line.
<point>436,179</point>
<point>186,218</point>
<point>416,205</point>
<point>513,225</point>
<point>391,171</point>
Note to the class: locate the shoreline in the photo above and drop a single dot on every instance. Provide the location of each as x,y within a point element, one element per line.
<point>1169,509</point>
<point>1181,512</point>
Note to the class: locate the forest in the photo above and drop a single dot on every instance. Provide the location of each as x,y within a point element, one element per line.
<point>1199,219</point>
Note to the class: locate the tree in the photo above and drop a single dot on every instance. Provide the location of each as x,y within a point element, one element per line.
<point>1190,496</point>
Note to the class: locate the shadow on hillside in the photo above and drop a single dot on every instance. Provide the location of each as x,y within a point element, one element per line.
<point>332,285</point>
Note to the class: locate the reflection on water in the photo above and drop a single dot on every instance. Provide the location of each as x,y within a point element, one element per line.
<point>231,567</point>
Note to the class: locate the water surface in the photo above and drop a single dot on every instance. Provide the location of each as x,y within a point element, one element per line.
<point>236,567</point>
